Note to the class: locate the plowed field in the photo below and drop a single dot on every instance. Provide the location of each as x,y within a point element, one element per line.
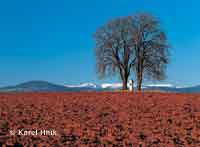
<point>100,119</point>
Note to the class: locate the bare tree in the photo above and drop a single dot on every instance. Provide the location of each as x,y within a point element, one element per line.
<point>151,49</point>
<point>134,42</point>
<point>114,49</point>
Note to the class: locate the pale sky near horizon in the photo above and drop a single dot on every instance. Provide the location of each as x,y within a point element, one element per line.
<point>52,40</point>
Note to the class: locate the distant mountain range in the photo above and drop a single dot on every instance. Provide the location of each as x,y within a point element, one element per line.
<point>34,86</point>
<point>43,86</point>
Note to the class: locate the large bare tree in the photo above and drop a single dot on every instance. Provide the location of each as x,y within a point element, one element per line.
<point>114,49</point>
<point>134,43</point>
<point>151,49</point>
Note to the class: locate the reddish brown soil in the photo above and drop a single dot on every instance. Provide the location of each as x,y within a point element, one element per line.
<point>102,119</point>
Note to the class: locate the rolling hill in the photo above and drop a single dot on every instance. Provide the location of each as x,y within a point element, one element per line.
<point>43,86</point>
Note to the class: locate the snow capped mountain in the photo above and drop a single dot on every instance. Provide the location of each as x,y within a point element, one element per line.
<point>114,85</point>
<point>82,85</point>
<point>159,85</point>
<point>111,85</point>
<point>95,86</point>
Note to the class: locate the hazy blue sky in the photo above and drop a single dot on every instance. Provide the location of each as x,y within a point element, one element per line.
<point>52,39</point>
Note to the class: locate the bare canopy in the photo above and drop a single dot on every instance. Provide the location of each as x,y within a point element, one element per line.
<point>134,43</point>
<point>151,49</point>
<point>114,49</point>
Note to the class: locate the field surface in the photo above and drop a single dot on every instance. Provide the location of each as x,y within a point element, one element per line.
<point>101,119</point>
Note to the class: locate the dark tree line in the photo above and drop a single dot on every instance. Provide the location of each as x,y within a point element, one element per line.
<point>133,44</point>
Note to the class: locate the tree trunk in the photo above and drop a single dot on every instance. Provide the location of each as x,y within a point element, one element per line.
<point>124,76</point>
<point>139,74</point>
<point>125,81</point>
<point>139,82</point>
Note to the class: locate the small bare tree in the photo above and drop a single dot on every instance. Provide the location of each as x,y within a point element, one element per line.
<point>114,49</point>
<point>151,49</point>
